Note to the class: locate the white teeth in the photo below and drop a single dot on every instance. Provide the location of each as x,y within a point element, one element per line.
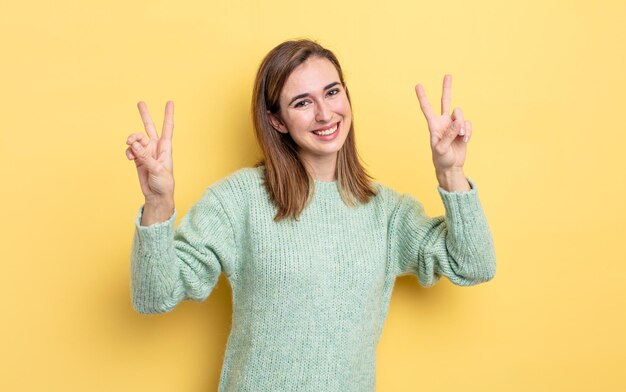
<point>326,132</point>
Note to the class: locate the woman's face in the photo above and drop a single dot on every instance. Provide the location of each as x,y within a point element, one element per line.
<point>315,110</point>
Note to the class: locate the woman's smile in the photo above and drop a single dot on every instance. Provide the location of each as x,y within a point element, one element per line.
<point>328,133</point>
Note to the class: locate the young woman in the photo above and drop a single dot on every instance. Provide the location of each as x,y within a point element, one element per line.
<point>310,244</point>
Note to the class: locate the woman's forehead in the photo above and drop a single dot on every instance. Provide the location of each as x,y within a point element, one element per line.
<point>311,76</point>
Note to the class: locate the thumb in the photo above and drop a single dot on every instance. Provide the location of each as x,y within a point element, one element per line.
<point>142,156</point>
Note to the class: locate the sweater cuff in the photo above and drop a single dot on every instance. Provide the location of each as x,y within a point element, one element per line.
<point>155,231</point>
<point>462,206</point>
<point>154,272</point>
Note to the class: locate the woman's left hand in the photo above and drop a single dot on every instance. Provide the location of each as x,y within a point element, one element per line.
<point>449,133</point>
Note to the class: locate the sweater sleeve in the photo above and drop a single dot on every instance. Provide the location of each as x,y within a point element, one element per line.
<point>458,246</point>
<point>168,266</point>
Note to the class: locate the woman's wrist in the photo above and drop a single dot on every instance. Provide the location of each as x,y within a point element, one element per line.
<point>453,180</point>
<point>156,211</point>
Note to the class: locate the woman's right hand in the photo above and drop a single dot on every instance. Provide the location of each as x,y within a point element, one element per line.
<point>153,160</point>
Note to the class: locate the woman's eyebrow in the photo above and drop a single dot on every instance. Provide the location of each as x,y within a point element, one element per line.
<point>307,94</point>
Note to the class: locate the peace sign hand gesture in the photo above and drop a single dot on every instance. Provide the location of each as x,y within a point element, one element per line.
<point>153,160</point>
<point>449,133</point>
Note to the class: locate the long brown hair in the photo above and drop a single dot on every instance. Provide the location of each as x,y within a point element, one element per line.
<point>287,181</point>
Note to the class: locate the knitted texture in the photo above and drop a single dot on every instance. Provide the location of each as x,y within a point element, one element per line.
<point>310,296</point>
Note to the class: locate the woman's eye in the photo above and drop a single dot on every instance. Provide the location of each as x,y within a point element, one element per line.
<point>300,104</point>
<point>334,91</point>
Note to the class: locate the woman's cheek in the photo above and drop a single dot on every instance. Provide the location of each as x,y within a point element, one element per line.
<point>345,106</point>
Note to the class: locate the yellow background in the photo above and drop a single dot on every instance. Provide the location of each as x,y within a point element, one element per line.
<point>542,82</point>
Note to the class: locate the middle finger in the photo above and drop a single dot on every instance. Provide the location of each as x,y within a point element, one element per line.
<point>445,94</point>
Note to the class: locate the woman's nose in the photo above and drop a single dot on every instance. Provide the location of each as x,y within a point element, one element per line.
<point>323,114</point>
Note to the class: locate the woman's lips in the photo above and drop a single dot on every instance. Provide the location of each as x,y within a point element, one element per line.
<point>329,136</point>
<point>325,128</point>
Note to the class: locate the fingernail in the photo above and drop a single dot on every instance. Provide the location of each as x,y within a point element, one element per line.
<point>466,138</point>
<point>136,146</point>
<point>462,132</point>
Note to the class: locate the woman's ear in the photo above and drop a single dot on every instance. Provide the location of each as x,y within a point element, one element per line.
<point>276,122</point>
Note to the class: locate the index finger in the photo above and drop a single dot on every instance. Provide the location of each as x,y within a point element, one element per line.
<point>424,104</point>
<point>445,95</point>
<point>168,121</point>
<point>147,121</point>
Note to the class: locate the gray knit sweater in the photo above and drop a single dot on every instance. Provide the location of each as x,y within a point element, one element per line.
<point>310,296</point>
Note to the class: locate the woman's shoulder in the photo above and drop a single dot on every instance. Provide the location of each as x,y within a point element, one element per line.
<point>244,177</point>
<point>241,183</point>
<point>392,200</point>
<point>386,194</point>
<point>235,193</point>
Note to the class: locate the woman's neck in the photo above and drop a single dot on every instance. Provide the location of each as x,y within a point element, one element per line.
<point>322,168</point>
